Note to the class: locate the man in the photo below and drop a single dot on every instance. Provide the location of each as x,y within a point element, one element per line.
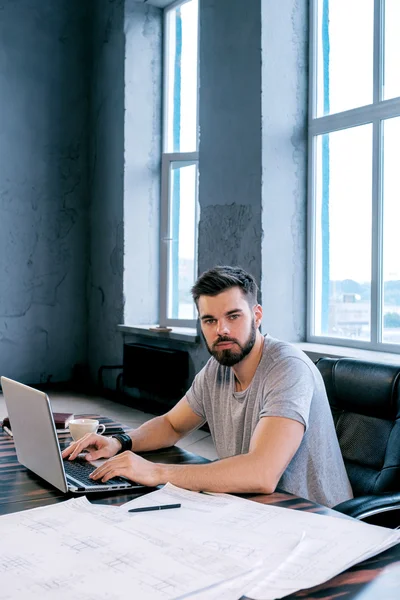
<point>264,401</point>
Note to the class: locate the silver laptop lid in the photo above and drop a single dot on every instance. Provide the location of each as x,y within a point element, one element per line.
<point>34,432</point>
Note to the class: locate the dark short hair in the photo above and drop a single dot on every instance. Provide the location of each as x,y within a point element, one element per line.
<point>222,278</point>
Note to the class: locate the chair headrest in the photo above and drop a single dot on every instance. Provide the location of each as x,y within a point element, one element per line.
<point>362,387</point>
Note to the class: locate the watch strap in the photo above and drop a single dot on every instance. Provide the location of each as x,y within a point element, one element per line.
<point>125,440</point>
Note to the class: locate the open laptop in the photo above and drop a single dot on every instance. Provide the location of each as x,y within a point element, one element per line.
<point>37,445</point>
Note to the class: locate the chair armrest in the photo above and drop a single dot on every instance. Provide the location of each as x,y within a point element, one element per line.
<point>368,507</point>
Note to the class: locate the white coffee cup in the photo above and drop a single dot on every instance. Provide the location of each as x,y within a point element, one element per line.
<point>80,427</point>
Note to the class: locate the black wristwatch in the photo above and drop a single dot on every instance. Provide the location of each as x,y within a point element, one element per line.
<point>125,441</point>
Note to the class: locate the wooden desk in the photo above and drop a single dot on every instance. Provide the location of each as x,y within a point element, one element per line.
<point>20,490</point>
<point>362,579</point>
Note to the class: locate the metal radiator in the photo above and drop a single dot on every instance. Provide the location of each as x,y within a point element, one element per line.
<point>162,372</point>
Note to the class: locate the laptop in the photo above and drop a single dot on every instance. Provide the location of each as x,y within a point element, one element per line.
<point>38,448</point>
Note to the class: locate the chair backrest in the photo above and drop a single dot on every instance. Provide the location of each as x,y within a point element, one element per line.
<point>365,403</point>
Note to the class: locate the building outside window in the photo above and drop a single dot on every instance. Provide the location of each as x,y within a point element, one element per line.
<point>354,174</point>
<point>179,187</point>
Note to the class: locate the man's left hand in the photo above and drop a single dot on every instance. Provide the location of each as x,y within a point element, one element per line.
<point>132,467</point>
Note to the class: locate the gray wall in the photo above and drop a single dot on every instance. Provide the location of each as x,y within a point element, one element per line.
<point>124,174</point>
<point>253,151</point>
<point>79,175</point>
<point>284,200</point>
<point>106,180</point>
<point>43,187</point>
<point>230,139</point>
<point>230,135</point>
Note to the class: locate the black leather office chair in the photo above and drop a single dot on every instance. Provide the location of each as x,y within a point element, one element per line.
<point>365,402</point>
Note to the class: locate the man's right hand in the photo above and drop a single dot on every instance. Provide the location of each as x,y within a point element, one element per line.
<point>99,446</point>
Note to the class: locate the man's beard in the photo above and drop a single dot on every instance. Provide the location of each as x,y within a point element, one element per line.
<point>230,357</point>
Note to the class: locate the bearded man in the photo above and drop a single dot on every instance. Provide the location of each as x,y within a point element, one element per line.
<point>263,399</point>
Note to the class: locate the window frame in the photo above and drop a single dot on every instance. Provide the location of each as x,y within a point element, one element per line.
<point>166,159</point>
<point>376,114</point>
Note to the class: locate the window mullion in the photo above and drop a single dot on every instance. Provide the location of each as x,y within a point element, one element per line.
<point>312,232</point>
<point>164,242</point>
<point>356,116</point>
<point>378,51</point>
<point>312,56</point>
<point>196,233</point>
<point>377,242</point>
<point>311,221</point>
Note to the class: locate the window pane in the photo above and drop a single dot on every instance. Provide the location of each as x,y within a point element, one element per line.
<point>182,266</point>
<point>181,78</point>
<point>392,49</point>
<point>391,220</point>
<point>344,55</point>
<point>343,233</point>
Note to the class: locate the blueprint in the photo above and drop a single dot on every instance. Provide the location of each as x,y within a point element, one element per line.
<point>307,549</point>
<point>213,547</point>
<point>78,550</point>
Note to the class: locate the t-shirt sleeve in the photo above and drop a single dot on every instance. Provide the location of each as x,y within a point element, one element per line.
<point>290,391</point>
<point>195,394</point>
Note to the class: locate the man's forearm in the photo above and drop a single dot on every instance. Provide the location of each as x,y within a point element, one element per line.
<point>156,433</point>
<point>242,473</point>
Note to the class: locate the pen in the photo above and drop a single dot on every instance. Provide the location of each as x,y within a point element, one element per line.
<point>162,507</point>
<point>8,431</point>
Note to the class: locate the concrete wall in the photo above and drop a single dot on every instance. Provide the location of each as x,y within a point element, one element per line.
<point>124,174</point>
<point>43,187</point>
<point>252,190</point>
<point>252,183</point>
<point>106,177</point>
<point>230,139</point>
<point>80,106</point>
<point>230,135</point>
<point>284,141</point>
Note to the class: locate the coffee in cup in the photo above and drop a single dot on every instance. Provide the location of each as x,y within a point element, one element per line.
<point>80,427</point>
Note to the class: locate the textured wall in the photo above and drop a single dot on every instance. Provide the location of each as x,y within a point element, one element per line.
<point>62,276</point>
<point>230,134</point>
<point>106,177</point>
<point>143,92</point>
<point>230,139</point>
<point>124,173</point>
<point>43,188</point>
<point>284,107</point>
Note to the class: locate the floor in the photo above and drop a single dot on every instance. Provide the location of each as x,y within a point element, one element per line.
<point>199,442</point>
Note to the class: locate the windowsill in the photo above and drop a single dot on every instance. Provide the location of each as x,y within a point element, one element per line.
<point>188,335</point>
<point>316,351</point>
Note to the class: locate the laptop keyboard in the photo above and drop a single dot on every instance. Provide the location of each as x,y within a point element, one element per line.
<point>80,469</point>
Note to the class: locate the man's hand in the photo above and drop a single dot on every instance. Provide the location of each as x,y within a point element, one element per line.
<point>132,467</point>
<point>99,446</point>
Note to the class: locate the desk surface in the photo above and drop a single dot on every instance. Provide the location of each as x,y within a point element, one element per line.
<point>21,489</point>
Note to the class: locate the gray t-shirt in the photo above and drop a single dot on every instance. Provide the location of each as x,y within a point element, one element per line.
<point>285,384</point>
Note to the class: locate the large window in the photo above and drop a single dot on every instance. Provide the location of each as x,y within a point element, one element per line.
<point>179,198</point>
<point>354,174</point>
